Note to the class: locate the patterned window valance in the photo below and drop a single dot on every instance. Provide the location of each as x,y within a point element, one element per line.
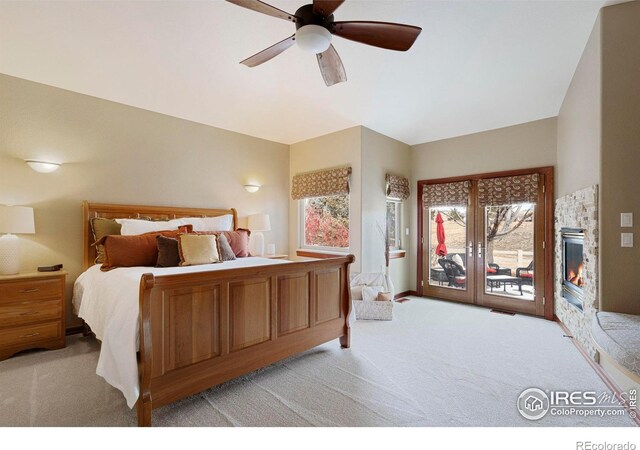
<point>397,187</point>
<point>446,194</point>
<point>321,183</point>
<point>508,190</point>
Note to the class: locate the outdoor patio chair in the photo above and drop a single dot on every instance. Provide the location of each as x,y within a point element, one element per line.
<point>456,275</point>
<point>525,274</point>
<point>495,269</point>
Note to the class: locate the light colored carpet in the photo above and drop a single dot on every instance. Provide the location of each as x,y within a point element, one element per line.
<point>435,364</point>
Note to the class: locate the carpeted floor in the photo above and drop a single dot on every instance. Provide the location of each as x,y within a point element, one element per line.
<point>435,364</point>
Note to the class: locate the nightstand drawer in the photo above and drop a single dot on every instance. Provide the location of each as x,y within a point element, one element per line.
<point>16,291</point>
<point>29,312</point>
<point>29,334</point>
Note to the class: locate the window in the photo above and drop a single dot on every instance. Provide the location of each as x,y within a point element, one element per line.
<point>325,222</point>
<point>394,219</point>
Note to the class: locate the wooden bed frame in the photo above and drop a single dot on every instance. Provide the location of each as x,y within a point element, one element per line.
<point>198,330</point>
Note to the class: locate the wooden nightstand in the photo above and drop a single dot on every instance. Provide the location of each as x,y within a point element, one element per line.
<point>32,312</point>
<point>276,256</point>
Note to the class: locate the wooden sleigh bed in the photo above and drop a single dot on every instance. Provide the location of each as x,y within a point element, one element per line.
<point>198,330</point>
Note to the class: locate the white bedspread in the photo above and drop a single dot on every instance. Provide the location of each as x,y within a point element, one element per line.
<point>109,303</point>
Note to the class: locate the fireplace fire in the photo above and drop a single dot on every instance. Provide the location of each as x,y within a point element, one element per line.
<point>573,266</point>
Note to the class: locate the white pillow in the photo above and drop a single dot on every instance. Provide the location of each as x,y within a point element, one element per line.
<point>370,293</point>
<point>356,292</point>
<point>136,226</point>
<point>457,259</point>
<point>220,223</point>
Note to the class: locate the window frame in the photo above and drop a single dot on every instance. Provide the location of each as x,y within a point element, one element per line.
<point>398,209</point>
<point>301,230</point>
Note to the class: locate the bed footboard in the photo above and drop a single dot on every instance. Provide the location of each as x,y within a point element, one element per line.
<point>202,329</point>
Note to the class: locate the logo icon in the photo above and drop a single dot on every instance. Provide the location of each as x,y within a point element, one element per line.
<point>533,404</point>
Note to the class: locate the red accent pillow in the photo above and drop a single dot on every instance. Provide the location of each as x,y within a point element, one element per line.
<point>526,275</point>
<point>491,270</point>
<point>136,250</point>
<point>238,240</point>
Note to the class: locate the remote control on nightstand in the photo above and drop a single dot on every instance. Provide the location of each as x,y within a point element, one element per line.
<point>50,268</point>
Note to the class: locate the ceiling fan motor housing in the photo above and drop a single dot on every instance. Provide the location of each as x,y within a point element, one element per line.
<point>307,17</point>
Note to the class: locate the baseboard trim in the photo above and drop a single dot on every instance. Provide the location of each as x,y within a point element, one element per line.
<point>404,294</point>
<point>617,392</point>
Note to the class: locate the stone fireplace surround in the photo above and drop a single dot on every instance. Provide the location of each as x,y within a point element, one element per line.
<point>579,210</point>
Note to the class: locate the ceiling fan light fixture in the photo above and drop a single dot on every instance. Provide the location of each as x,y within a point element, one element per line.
<point>313,38</point>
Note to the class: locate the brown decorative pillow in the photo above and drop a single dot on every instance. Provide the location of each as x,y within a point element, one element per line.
<point>196,249</point>
<point>136,250</point>
<point>238,240</point>
<point>226,252</point>
<point>384,297</point>
<point>168,254</point>
<point>101,227</point>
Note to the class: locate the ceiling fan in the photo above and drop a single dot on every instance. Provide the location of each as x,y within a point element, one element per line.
<point>315,27</point>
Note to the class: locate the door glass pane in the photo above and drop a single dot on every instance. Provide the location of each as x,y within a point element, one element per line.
<point>509,246</point>
<point>447,252</point>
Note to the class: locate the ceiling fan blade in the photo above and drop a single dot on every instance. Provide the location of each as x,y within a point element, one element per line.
<point>325,8</point>
<point>392,36</point>
<point>261,7</point>
<point>268,53</point>
<point>331,67</point>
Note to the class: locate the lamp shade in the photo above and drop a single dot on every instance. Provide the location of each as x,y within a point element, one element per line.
<point>16,220</point>
<point>259,222</point>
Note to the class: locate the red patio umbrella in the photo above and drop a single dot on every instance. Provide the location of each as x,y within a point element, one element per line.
<point>441,249</point>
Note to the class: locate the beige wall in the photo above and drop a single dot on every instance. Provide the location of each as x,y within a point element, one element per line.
<point>531,144</point>
<point>382,155</point>
<point>119,154</point>
<point>342,148</point>
<point>620,188</point>
<point>579,129</point>
<point>522,146</point>
<point>371,155</point>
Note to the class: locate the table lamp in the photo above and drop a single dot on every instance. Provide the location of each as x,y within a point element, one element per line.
<point>257,224</point>
<point>13,220</point>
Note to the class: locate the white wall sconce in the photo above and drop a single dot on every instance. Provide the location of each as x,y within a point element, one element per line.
<point>42,166</point>
<point>252,187</point>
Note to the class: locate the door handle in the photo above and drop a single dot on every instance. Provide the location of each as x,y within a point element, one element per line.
<point>470,249</point>
<point>479,250</point>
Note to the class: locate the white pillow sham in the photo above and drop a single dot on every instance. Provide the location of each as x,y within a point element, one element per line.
<point>139,226</point>
<point>220,223</point>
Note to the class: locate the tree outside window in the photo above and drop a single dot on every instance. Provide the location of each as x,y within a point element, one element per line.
<point>326,222</point>
<point>393,224</point>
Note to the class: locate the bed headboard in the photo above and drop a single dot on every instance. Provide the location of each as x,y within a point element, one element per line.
<point>111,211</point>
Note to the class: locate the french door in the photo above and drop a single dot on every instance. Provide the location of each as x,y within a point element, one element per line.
<point>483,240</point>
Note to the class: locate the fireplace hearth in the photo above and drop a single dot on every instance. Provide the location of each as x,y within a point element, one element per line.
<point>573,266</point>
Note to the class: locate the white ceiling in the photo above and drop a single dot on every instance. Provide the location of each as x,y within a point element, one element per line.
<point>477,65</point>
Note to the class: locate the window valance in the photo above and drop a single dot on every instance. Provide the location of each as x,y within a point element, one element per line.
<point>397,187</point>
<point>508,190</point>
<point>446,194</point>
<point>321,183</point>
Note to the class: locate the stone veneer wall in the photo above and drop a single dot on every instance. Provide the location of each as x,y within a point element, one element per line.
<point>579,210</point>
